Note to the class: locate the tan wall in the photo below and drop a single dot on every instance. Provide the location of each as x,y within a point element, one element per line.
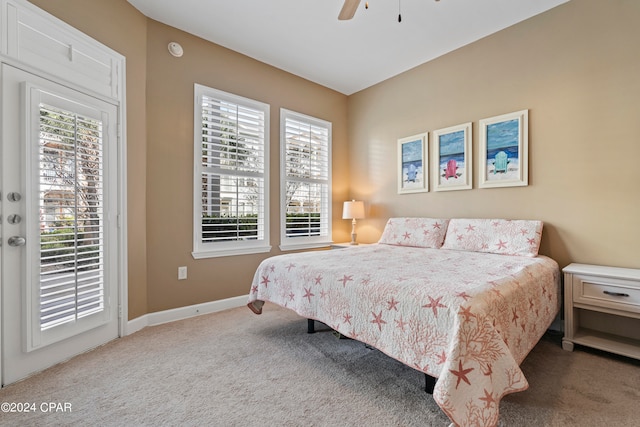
<point>576,68</point>
<point>170,159</point>
<point>120,26</point>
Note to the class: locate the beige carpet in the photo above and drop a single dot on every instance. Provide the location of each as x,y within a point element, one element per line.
<point>237,369</point>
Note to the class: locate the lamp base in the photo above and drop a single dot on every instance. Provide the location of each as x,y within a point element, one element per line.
<point>353,232</point>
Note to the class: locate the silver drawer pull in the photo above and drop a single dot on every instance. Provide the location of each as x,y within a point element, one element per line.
<point>615,294</point>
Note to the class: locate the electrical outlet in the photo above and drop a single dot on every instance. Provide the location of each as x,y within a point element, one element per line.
<point>182,273</point>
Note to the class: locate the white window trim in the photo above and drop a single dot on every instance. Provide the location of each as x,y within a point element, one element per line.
<point>220,249</point>
<point>298,243</point>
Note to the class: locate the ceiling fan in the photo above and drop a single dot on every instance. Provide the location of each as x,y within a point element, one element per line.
<point>348,9</point>
<point>350,6</point>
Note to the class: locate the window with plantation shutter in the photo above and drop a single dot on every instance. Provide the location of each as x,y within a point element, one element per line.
<point>231,157</point>
<point>71,205</point>
<point>305,158</point>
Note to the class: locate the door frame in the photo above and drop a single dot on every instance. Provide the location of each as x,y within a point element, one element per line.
<point>122,253</point>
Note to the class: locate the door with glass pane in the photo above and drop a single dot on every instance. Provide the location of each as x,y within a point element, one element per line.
<point>59,223</point>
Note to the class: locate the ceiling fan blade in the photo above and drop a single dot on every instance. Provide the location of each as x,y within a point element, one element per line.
<point>348,9</point>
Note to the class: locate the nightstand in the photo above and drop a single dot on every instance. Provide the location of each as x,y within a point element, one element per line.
<point>602,308</point>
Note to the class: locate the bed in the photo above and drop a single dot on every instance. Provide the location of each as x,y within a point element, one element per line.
<point>462,300</point>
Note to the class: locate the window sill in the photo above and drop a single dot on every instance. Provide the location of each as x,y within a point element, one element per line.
<point>299,246</point>
<point>231,252</point>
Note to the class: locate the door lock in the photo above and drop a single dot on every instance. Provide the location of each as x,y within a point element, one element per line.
<point>14,197</point>
<point>14,219</point>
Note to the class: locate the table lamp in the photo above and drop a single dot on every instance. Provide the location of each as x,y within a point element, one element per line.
<point>353,210</point>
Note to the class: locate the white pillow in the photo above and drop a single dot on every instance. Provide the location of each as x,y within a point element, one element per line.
<point>498,236</point>
<point>417,232</point>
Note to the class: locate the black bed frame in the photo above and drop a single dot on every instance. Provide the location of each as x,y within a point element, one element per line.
<point>429,381</point>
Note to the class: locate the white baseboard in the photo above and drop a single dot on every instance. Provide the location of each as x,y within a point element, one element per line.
<point>172,315</point>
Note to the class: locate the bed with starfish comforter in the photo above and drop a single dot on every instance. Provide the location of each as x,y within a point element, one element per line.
<point>462,300</point>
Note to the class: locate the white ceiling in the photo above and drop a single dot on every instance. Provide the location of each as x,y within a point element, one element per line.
<point>305,38</point>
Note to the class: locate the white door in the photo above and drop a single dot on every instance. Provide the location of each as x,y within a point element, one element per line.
<point>59,223</point>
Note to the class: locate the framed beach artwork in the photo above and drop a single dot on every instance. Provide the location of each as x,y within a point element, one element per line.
<point>504,145</point>
<point>413,174</point>
<point>452,158</point>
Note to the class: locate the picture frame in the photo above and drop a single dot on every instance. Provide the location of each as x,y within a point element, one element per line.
<point>452,158</point>
<point>503,147</point>
<point>413,164</point>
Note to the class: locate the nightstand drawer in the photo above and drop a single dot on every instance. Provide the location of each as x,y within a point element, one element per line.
<point>607,292</point>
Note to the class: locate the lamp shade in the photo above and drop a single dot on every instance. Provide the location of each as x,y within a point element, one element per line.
<point>353,209</point>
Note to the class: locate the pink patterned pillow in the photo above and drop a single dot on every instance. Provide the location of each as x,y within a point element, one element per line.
<point>418,232</point>
<point>498,236</point>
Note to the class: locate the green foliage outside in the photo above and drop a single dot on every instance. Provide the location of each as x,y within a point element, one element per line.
<point>226,228</point>
<point>58,246</point>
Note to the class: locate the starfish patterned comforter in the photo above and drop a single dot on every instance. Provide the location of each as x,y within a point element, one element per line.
<point>465,317</point>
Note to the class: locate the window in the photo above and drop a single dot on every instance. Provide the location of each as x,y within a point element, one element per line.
<point>305,158</point>
<point>72,206</point>
<point>231,158</point>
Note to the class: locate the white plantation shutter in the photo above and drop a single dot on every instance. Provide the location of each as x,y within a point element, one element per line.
<point>71,198</point>
<point>306,180</point>
<point>230,176</point>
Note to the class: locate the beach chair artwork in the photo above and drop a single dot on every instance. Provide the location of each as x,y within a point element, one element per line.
<point>504,146</point>
<point>413,163</point>
<point>500,163</point>
<point>451,171</point>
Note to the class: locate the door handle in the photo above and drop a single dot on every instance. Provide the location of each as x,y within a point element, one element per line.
<point>16,241</point>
